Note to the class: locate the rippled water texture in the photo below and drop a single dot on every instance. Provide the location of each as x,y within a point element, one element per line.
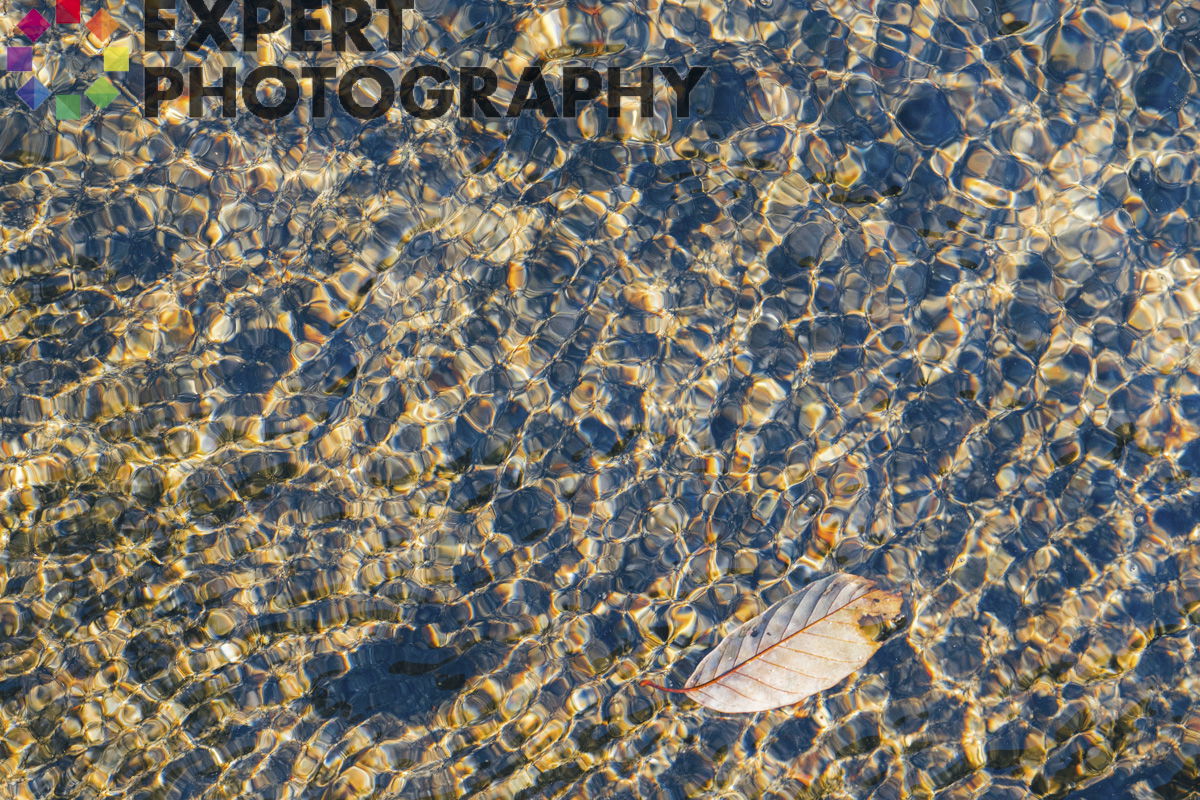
<point>346,459</point>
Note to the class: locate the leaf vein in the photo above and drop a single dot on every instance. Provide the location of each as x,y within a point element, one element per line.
<point>791,669</point>
<point>821,656</point>
<point>772,687</point>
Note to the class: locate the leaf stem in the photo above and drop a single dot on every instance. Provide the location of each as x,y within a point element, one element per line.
<point>662,688</point>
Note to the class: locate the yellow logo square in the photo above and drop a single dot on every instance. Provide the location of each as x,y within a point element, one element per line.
<point>116,58</point>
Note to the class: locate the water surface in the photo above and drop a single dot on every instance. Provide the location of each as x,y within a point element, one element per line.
<point>345,459</point>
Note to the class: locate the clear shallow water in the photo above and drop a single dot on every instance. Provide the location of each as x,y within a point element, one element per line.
<point>353,460</point>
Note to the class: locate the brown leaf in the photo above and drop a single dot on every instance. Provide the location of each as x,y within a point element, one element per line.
<point>802,645</point>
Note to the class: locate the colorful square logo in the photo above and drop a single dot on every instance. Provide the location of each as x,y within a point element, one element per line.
<point>66,12</point>
<point>33,25</point>
<point>101,25</point>
<point>116,58</point>
<point>19,59</point>
<point>67,106</point>
<point>101,92</point>
<point>33,93</point>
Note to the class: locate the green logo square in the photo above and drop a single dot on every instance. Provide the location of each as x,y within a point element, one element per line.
<point>101,92</point>
<point>66,106</point>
